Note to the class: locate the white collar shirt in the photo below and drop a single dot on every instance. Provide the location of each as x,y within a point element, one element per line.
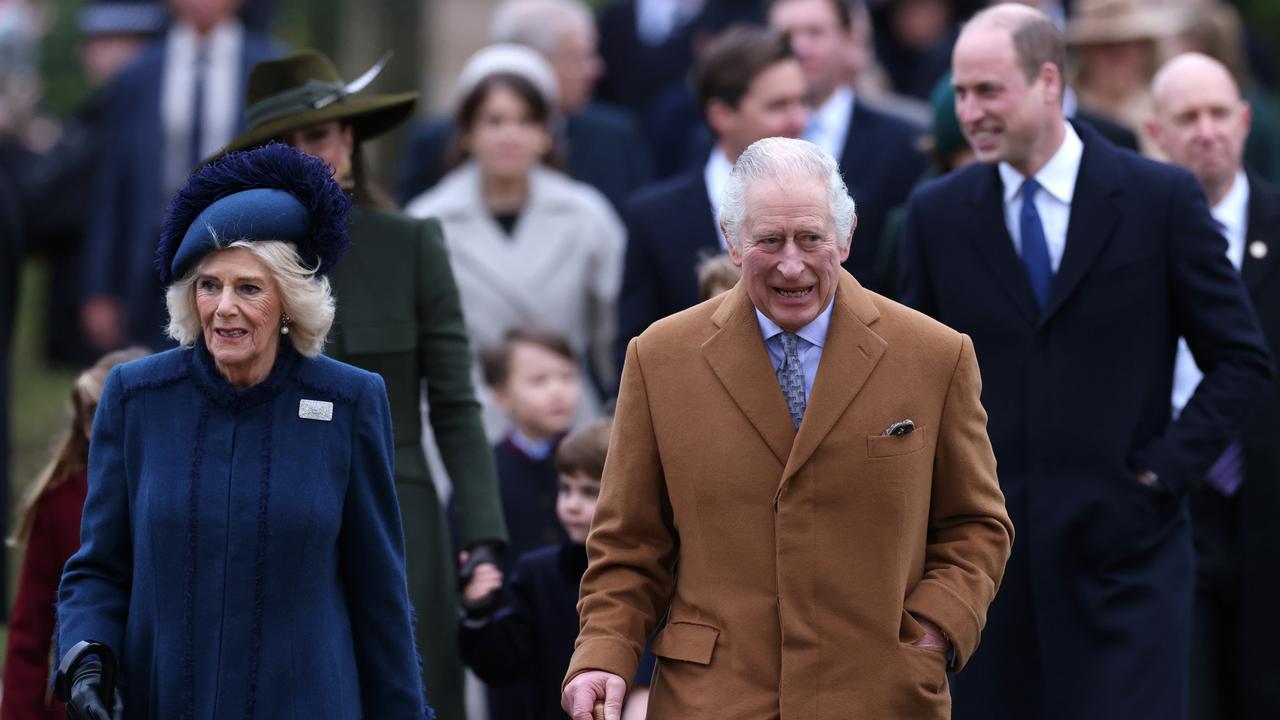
<point>715,175</point>
<point>1232,214</point>
<point>828,125</point>
<point>222,50</point>
<point>812,338</point>
<point>1057,187</point>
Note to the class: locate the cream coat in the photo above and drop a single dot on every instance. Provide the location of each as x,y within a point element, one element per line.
<point>799,555</point>
<point>561,270</point>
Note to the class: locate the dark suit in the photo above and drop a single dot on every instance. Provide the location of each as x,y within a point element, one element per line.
<point>1093,618</point>
<point>635,72</point>
<point>670,227</point>
<point>1235,661</point>
<point>602,147</point>
<point>128,200</point>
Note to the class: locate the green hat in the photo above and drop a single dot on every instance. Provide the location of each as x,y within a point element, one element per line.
<point>303,89</point>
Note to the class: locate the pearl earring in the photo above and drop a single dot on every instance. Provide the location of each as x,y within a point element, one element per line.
<point>284,324</point>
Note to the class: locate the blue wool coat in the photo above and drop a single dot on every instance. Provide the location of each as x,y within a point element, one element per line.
<point>241,560</point>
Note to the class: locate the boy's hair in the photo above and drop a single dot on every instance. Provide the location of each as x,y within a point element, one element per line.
<point>716,271</point>
<point>583,451</point>
<point>496,363</point>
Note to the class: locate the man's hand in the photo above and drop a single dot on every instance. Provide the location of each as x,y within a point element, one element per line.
<point>590,687</point>
<point>933,638</point>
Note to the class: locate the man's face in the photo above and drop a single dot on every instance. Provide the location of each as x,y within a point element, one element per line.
<point>788,250</point>
<point>1200,122</point>
<point>817,39</point>
<point>1000,113</point>
<point>577,66</point>
<point>773,106</point>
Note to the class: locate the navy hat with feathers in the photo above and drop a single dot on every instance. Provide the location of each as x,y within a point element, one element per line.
<point>269,193</point>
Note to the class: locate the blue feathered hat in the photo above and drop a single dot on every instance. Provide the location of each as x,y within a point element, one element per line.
<point>269,193</point>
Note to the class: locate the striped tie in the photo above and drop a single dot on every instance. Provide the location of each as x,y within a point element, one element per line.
<point>791,379</point>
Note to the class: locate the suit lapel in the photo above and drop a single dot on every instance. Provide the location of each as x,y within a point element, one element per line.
<point>1264,217</point>
<point>990,235</point>
<point>738,357</point>
<point>851,352</point>
<point>1093,218</point>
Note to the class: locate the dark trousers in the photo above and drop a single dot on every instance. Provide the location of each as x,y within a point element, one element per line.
<point>1217,634</point>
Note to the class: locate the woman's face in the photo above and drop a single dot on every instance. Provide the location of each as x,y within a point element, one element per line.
<point>239,305</point>
<point>505,138</point>
<point>330,141</point>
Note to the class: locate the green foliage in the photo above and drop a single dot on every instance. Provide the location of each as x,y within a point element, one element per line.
<point>65,86</point>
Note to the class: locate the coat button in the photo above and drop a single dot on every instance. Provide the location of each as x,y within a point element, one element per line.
<point>1258,249</point>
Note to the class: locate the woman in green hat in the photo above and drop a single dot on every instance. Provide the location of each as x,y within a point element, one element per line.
<point>398,314</point>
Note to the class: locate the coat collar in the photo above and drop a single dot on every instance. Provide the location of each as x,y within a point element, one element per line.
<point>1264,227</point>
<point>737,355</point>
<point>215,387</point>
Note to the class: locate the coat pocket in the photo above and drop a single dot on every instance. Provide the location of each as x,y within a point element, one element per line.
<point>892,445</point>
<point>690,642</point>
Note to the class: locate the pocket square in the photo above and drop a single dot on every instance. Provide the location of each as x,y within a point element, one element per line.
<point>902,427</point>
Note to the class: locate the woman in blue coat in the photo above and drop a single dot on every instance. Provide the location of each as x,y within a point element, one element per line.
<point>242,554</point>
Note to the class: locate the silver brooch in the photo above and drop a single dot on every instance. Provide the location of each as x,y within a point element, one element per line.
<point>315,410</point>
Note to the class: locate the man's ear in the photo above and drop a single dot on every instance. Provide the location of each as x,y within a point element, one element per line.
<point>1151,129</point>
<point>848,242</point>
<point>1052,80</point>
<point>735,255</point>
<point>720,117</point>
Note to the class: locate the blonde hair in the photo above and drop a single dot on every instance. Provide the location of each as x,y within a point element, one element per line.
<point>304,296</point>
<point>72,454</point>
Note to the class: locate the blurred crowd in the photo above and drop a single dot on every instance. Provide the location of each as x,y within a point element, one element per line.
<point>576,179</point>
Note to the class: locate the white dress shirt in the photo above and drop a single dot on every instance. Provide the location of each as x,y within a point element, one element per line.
<point>223,48</point>
<point>715,174</point>
<point>1231,212</point>
<point>809,346</point>
<point>1057,187</point>
<point>828,125</point>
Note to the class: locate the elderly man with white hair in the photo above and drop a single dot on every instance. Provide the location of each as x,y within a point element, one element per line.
<point>799,479</point>
<point>599,144</point>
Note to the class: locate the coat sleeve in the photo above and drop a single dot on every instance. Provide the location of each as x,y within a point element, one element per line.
<point>502,650</point>
<point>108,203</point>
<point>970,535</point>
<point>915,288</point>
<point>633,542</point>
<point>1211,309</point>
<point>93,599</point>
<point>371,558</point>
<point>31,623</point>
<point>444,360</point>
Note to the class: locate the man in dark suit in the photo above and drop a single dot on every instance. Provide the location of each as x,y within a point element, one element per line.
<point>749,86</point>
<point>1200,122</point>
<point>600,144</point>
<point>878,152</point>
<point>172,107</point>
<point>1075,267</point>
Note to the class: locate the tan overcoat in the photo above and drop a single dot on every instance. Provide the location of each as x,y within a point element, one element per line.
<point>790,560</point>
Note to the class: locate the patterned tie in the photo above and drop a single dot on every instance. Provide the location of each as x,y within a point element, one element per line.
<point>1227,472</point>
<point>791,379</point>
<point>1035,249</point>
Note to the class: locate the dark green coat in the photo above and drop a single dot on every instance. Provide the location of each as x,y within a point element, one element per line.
<point>398,315</point>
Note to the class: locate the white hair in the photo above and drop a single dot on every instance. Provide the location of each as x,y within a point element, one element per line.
<point>776,158</point>
<point>538,24</point>
<point>304,296</point>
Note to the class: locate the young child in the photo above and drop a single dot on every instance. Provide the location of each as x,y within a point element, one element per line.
<point>535,383</point>
<point>717,274</point>
<point>50,526</point>
<point>525,641</point>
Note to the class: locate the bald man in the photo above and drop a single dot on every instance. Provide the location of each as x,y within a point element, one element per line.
<point>1075,267</point>
<point>1200,122</point>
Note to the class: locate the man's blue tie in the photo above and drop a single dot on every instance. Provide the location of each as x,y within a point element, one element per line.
<point>1035,249</point>
<point>791,378</point>
<point>196,151</point>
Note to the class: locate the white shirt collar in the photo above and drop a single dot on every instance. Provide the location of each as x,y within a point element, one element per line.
<point>1232,210</point>
<point>716,175</point>
<point>829,122</point>
<point>815,333</point>
<point>1057,177</point>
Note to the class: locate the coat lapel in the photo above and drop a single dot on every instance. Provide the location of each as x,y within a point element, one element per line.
<point>991,237</point>
<point>1094,214</point>
<point>1263,216</point>
<point>737,355</point>
<point>851,353</point>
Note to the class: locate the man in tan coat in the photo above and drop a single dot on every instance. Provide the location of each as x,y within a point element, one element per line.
<point>800,471</point>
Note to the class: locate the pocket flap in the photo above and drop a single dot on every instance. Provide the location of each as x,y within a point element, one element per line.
<point>686,641</point>
<point>379,338</point>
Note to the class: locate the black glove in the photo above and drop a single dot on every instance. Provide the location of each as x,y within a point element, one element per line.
<point>480,553</point>
<point>86,683</point>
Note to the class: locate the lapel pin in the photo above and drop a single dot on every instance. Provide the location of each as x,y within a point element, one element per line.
<point>1258,249</point>
<point>315,410</point>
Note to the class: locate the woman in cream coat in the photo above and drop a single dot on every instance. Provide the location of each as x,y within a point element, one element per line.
<point>529,246</point>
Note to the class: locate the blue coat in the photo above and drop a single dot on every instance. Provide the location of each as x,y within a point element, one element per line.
<point>243,561</point>
<point>1093,618</point>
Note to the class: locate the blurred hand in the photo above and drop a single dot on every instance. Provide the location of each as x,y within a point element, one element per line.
<point>933,638</point>
<point>486,581</point>
<point>586,689</point>
<point>103,323</point>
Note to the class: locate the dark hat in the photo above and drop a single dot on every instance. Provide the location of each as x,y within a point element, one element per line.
<point>303,89</point>
<point>268,193</point>
<point>130,17</point>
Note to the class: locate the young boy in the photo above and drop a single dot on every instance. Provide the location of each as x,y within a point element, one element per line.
<point>536,385</point>
<point>526,640</point>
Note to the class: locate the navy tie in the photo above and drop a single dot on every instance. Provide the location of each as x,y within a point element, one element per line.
<point>196,153</point>
<point>1035,249</point>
